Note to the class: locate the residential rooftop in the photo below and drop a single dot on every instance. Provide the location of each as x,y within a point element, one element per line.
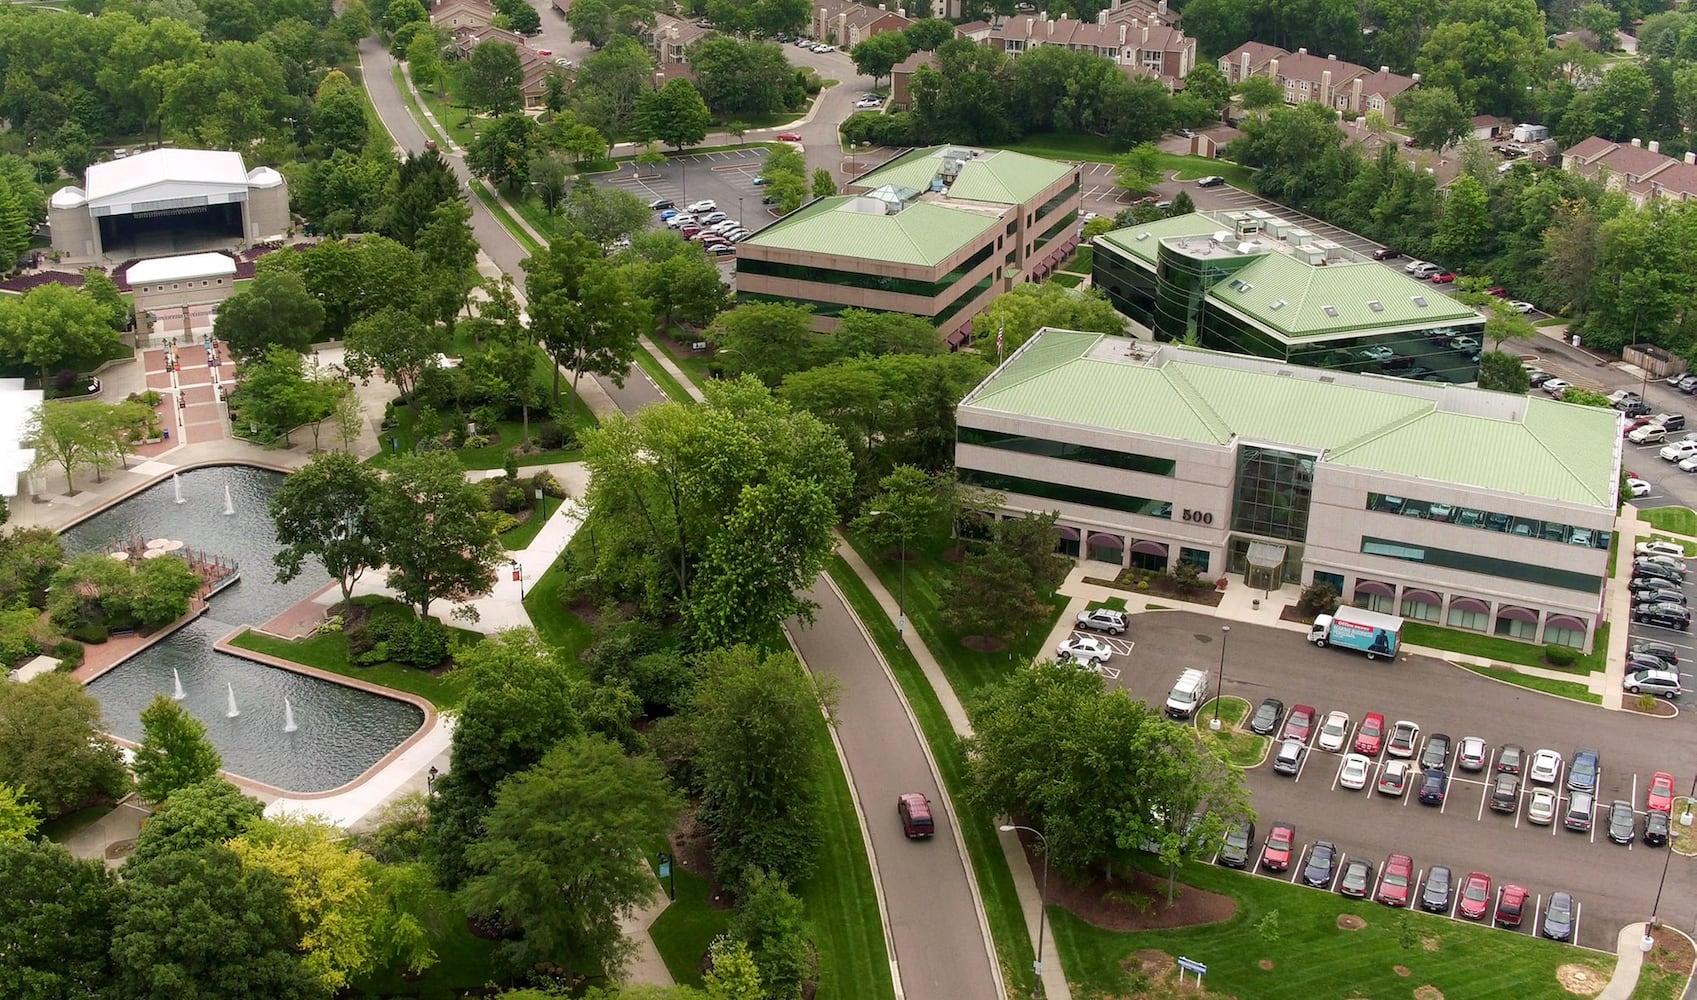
<point>1510,443</point>
<point>880,226</point>
<point>997,176</point>
<point>1300,284</point>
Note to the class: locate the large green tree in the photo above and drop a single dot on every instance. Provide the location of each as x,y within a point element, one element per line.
<point>55,923</point>
<point>876,56</point>
<point>674,114</point>
<point>564,852</point>
<point>765,339</point>
<point>741,77</point>
<point>439,538</point>
<point>53,745</point>
<point>422,184</point>
<point>396,344</point>
<point>207,813</point>
<point>1016,315</point>
<point>325,512</point>
<point>502,151</point>
<point>274,310</point>
<point>584,310</point>
<point>53,325</point>
<point>491,78</point>
<point>1435,117</point>
<point>174,751</point>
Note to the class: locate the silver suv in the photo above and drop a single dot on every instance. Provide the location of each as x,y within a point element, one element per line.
<point>1658,682</point>
<point>1103,620</point>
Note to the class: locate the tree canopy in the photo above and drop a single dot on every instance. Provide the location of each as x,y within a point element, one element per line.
<point>53,745</point>
<point>174,751</point>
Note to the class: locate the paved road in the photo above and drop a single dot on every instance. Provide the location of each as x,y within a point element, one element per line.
<point>1615,885</point>
<point>940,949</point>
<point>377,67</point>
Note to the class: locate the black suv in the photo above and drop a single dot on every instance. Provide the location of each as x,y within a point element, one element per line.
<point>1505,793</point>
<point>1667,654</point>
<point>1240,837</point>
<point>1674,422</point>
<point>1435,897</point>
<point>1665,615</point>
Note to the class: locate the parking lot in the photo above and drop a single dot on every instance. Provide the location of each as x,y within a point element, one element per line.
<point>1612,884</point>
<point>726,177</point>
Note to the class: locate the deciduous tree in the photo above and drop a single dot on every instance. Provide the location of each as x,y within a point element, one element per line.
<point>174,751</point>
<point>1435,117</point>
<point>53,745</point>
<point>324,512</point>
<point>1503,372</point>
<point>53,325</point>
<point>438,535</point>
<point>1016,315</point>
<point>274,310</point>
<point>1138,170</point>
<point>741,77</point>
<point>765,339</point>
<point>491,78</point>
<point>397,344</point>
<point>674,114</point>
<point>585,311</point>
<point>876,56</point>
<point>55,922</point>
<point>502,152</point>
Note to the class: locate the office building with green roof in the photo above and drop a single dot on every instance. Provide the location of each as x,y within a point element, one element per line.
<point>1442,503</point>
<point>935,232</point>
<point>1250,282</point>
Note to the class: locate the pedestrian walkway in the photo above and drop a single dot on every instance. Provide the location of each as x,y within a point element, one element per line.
<point>665,361</point>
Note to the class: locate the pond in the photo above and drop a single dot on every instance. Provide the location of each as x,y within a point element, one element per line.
<point>341,731</point>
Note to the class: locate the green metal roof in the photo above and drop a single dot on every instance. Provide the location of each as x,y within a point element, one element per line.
<point>923,234</point>
<point>1290,296</point>
<point>1547,449</point>
<point>998,176</point>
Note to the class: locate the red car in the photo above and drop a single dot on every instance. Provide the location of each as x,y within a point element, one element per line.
<point>1394,880</point>
<point>1499,291</point>
<point>1370,738</point>
<point>1299,724</point>
<point>1443,278</point>
<point>1275,857</point>
<point>1660,796</point>
<point>1475,896</point>
<point>1634,424</point>
<point>915,812</point>
<point>789,137</point>
<point>1511,906</point>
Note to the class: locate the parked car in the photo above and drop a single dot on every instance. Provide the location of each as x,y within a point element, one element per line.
<point>1511,905</point>
<point>1353,773</point>
<point>1299,724</point>
<point>1672,550</point>
<point>1678,451</point>
<point>1334,731</point>
<point>1648,433</point>
<point>1537,381</point>
<point>1266,717</point>
<point>1657,595</point>
<point>1546,767</point>
<point>1288,760</point>
<point>1396,880</point>
<point>1432,783</point>
<point>1444,278</point>
<point>1084,649</point>
<point>702,206</point>
<point>790,136</point>
<point>1638,487</point>
<point>1663,615</point>
<point>1436,753</point>
<point>915,812</point>
<point>1370,738</point>
<point>722,249</point>
<point>1623,822</point>
<point>1665,564</point>
<point>1638,663</point>
<point>1404,736</point>
<point>1239,839</point>
<point>1464,344</point>
<point>1393,780</point>
<point>1510,759</point>
<point>1386,253</point>
<point>1661,651</point>
<point>1541,807</point>
<point>1475,896</point>
<point>1523,308</point>
<point>1663,683</point>
<point>1357,879</point>
<point>1470,755</point>
<point>1659,796</point>
<point>1414,266</point>
<point>1435,895</point>
<point>1214,181</point>
<point>1505,793</point>
<point>1558,917</point>
<point>1555,386</point>
<point>1580,808</point>
<point>1276,852</point>
<point>1656,829</point>
<point>1673,422</point>
<point>662,205</point>
<point>1378,353</point>
<point>1321,865</point>
<point>1103,620</point>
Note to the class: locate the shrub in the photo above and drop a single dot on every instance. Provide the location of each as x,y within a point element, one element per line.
<point>90,632</point>
<point>545,484</point>
<point>1318,599</point>
<point>68,653</point>
<point>548,435</point>
<point>404,640</point>
<point>505,522</point>
<point>1645,703</point>
<point>66,380</point>
<point>1560,656</point>
<point>507,495</point>
<point>1187,578</point>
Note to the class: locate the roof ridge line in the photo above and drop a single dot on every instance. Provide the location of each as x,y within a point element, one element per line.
<point>1380,431</point>
<point>1553,453</point>
<point>1198,403</point>
<point>1002,371</point>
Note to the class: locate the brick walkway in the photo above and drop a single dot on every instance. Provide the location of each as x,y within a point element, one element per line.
<point>195,387</point>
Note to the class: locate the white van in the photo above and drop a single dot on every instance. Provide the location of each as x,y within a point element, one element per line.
<point>1187,694</point>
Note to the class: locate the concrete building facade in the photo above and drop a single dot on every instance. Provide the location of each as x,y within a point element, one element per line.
<point>1483,511</point>
<point>936,232</point>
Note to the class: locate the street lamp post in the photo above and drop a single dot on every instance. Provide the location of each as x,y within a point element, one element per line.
<point>1225,632</point>
<point>1042,899</point>
<point>518,575</point>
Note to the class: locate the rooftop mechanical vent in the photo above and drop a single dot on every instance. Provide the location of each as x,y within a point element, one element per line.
<point>1376,305</point>
<point>1278,304</point>
<point>1419,300</point>
<point>1331,311</point>
<point>1142,236</point>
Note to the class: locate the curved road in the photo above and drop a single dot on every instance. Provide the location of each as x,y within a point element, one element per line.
<point>377,67</point>
<point>941,949</point>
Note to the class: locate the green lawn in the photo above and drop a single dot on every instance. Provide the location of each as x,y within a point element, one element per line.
<point>968,670</point>
<point>1505,650</point>
<point>509,434</point>
<point>841,901</point>
<point>1679,520</point>
<point>691,363</point>
<point>1069,280</point>
<point>521,536</point>
<point>549,615</point>
<point>329,651</point>
<point>465,963</point>
<point>673,389</point>
<point>1080,261</point>
<point>1657,984</point>
<point>1567,689</point>
<point>1314,959</point>
<point>686,929</point>
<point>63,827</point>
<point>1232,745</point>
<point>978,828</point>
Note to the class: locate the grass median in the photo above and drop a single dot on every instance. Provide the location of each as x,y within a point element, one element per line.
<point>1491,647</point>
<point>1230,744</point>
<point>1566,689</point>
<point>978,828</point>
<point>1679,520</point>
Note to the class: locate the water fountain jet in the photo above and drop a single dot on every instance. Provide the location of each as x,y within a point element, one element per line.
<point>177,693</point>
<point>232,711</point>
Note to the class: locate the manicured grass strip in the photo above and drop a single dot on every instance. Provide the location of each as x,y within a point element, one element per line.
<point>1069,280</point>
<point>1567,689</point>
<point>1679,520</point>
<point>1690,549</point>
<point>1657,984</point>
<point>978,828</point>
<point>549,615</point>
<point>673,389</point>
<point>528,529</point>
<point>1080,261</point>
<point>1115,603</point>
<point>841,901</point>
<point>1311,957</point>
<point>686,929</point>
<point>506,218</point>
<point>465,963</point>
<point>1505,650</point>
<point>1235,747</point>
<point>329,651</point>
<point>968,670</point>
<point>693,365</point>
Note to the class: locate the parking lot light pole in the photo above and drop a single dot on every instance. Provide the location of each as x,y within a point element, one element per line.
<point>1219,689</point>
<point>1042,899</point>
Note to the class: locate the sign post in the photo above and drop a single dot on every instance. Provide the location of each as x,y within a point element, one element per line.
<point>666,874</point>
<point>1186,965</point>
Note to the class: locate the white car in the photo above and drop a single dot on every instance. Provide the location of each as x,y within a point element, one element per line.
<point>1673,549</point>
<point>1688,464</point>
<point>1545,768</point>
<point>1393,780</point>
<point>1678,450</point>
<point>1085,649</point>
<point>1464,343</point>
<point>1541,809</point>
<point>1334,731</point>
<point>1354,771</point>
<point>1405,736</point>
<point>1523,308</point>
<point>869,102</point>
<point>704,205</point>
<point>1556,386</point>
<point>1378,352</point>
<point>821,47</point>
<point>1415,266</point>
<point>1639,488</point>
<point>712,217</point>
<point>680,220</point>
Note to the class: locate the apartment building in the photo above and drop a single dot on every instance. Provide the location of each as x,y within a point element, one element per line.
<point>669,39</point>
<point>1641,172</point>
<point>1138,46</point>
<point>1337,83</point>
<point>533,66</point>
<point>846,25</point>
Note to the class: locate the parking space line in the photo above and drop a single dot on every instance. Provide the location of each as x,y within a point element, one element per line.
<point>1301,765</point>
<point>1261,857</point>
<point>1482,797</point>
<point>1380,881</point>
<point>1576,908</point>
<point>1537,910</point>
<point>1338,775</point>
<point>1444,800</point>
<point>1455,903</point>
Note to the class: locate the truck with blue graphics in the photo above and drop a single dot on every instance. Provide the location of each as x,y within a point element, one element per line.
<point>1357,628</point>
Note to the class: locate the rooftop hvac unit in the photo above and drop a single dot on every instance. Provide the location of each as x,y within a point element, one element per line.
<point>1223,236</point>
<point>1246,248</point>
